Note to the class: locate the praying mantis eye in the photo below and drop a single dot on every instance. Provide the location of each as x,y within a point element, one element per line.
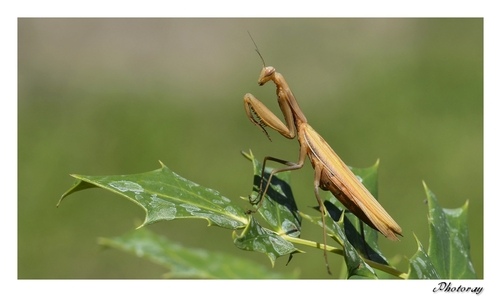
<point>269,71</point>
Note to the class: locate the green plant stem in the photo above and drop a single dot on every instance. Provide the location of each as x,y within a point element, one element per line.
<point>387,269</point>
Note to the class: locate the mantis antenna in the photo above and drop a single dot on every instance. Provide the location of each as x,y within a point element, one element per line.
<point>257,49</point>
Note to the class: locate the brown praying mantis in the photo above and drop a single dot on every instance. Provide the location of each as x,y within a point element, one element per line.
<point>330,172</point>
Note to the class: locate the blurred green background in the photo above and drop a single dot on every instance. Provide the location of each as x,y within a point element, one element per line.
<point>114,96</point>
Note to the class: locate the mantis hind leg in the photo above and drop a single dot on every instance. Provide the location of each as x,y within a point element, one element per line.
<point>322,209</point>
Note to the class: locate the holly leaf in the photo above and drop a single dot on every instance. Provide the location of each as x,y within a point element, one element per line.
<point>256,238</point>
<point>421,266</point>
<point>449,248</point>
<point>165,195</point>
<point>185,262</point>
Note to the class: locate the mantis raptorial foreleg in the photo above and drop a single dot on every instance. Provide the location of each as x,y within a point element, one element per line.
<point>266,118</point>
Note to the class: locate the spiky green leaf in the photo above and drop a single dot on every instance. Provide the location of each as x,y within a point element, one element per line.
<point>449,247</point>
<point>256,238</point>
<point>183,262</point>
<point>165,195</point>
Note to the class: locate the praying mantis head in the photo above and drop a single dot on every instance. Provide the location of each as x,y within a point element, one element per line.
<point>266,74</point>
